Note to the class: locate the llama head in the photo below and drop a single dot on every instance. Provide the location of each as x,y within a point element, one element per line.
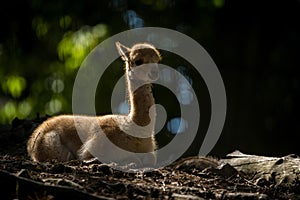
<point>141,61</point>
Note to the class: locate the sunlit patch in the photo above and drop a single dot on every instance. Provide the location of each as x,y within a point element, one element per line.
<point>40,26</point>
<point>54,106</point>
<point>65,21</point>
<point>132,19</point>
<point>185,97</point>
<point>9,111</point>
<point>184,94</point>
<point>99,30</point>
<point>75,46</point>
<point>185,84</point>
<point>14,85</point>
<point>24,109</point>
<point>57,85</point>
<point>177,125</point>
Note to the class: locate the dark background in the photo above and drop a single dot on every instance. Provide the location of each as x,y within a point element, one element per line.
<point>255,45</point>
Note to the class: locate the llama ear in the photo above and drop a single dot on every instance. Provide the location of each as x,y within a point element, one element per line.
<point>123,51</point>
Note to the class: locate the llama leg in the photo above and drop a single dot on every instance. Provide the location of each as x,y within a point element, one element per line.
<point>83,152</point>
<point>57,150</point>
<point>50,147</point>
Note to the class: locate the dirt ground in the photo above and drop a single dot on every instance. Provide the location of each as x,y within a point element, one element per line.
<point>21,178</point>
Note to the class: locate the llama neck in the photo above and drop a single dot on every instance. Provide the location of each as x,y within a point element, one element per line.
<point>141,100</point>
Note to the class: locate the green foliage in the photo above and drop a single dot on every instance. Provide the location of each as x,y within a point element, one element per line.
<point>218,3</point>
<point>75,46</point>
<point>65,22</point>
<point>40,26</point>
<point>13,85</point>
<point>43,49</point>
<point>49,92</point>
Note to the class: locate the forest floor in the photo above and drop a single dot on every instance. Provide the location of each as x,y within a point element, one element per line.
<point>21,178</point>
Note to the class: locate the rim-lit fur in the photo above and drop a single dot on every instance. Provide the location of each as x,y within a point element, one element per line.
<point>57,138</point>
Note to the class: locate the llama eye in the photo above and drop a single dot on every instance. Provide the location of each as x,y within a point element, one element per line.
<point>138,62</point>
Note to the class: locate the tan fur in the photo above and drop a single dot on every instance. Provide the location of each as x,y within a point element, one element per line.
<point>58,137</point>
